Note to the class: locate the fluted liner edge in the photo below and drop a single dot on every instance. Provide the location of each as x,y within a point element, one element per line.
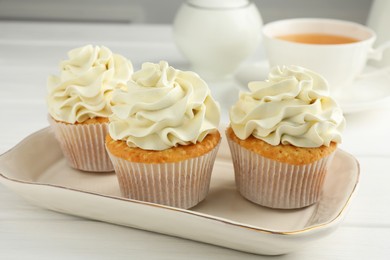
<point>83,145</point>
<point>275,184</point>
<point>180,184</point>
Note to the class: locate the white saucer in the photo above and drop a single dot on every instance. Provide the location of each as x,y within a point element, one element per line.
<point>365,93</point>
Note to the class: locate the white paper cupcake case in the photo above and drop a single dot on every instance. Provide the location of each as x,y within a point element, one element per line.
<point>275,184</point>
<point>180,184</point>
<point>83,145</point>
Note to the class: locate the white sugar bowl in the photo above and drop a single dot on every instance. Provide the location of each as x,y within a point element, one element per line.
<point>216,36</point>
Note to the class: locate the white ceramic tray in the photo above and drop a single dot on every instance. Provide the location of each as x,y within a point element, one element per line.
<point>36,170</point>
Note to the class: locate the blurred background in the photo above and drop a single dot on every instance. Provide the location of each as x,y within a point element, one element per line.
<point>152,11</point>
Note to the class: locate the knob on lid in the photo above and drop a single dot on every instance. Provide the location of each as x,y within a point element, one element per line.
<point>218,3</point>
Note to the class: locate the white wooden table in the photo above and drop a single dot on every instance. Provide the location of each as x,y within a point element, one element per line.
<point>30,52</point>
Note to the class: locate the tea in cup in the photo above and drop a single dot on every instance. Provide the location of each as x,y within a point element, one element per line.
<point>337,49</point>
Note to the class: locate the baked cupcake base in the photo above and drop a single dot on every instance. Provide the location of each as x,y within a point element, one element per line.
<point>83,144</point>
<point>177,177</point>
<point>276,183</point>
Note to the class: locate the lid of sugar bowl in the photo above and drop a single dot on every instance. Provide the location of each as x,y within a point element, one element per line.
<point>218,3</point>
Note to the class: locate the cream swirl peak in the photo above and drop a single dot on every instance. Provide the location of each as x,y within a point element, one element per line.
<point>162,108</point>
<point>292,107</point>
<point>83,88</point>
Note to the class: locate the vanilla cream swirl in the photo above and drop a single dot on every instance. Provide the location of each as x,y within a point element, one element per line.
<point>163,108</point>
<point>292,107</point>
<point>83,88</point>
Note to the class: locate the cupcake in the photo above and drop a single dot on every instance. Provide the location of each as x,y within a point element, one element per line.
<point>163,136</point>
<point>79,104</point>
<point>283,135</point>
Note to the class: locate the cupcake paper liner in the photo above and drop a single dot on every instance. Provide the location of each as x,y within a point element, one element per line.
<point>83,145</point>
<point>275,184</point>
<point>180,184</point>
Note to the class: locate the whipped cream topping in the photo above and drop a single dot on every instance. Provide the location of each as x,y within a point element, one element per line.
<point>292,107</point>
<point>83,88</point>
<point>162,108</point>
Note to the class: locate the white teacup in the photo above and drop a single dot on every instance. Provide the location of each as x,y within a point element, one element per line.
<point>339,63</point>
